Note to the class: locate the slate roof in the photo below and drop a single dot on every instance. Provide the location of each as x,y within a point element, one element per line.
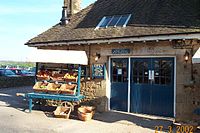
<point>149,17</point>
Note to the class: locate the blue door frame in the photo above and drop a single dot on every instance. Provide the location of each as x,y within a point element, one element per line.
<point>151,85</point>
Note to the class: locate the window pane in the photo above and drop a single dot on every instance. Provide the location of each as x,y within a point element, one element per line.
<point>146,80</point>
<point>162,80</point>
<point>9,72</point>
<point>157,80</point>
<point>114,21</point>
<point>119,72</point>
<point>105,22</point>
<point>140,80</point>
<point>122,20</point>
<point>117,20</point>
<point>168,80</point>
<point>163,72</point>
<point>135,79</point>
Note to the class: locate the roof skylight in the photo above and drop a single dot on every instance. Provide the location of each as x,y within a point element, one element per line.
<point>114,21</point>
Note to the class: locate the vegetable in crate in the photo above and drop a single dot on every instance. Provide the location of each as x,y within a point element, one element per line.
<point>40,85</point>
<point>44,85</point>
<point>68,89</point>
<point>68,76</point>
<point>57,77</point>
<point>53,86</point>
<point>43,75</point>
<point>37,85</point>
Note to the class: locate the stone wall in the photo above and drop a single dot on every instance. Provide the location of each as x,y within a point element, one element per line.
<point>187,89</point>
<point>94,92</point>
<point>6,82</point>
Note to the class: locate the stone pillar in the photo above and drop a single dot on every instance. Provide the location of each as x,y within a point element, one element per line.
<point>74,6</point>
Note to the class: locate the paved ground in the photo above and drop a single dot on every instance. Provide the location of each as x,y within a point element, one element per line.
<point>14,118</point>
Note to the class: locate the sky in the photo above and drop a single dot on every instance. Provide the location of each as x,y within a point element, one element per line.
<point>21,20</point>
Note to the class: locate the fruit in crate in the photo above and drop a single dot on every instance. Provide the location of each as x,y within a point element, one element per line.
<point>53,86</point>
<point>43,86</point>
<point>68,89</point>
<point>37,85</point>
<point>40,85</point>
<point>68,76</point>
<point>42,75</point>
<point>57,77</point>
<point>67,86</point>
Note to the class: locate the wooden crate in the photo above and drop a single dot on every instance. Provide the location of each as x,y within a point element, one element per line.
<point>40,90</point>
<point>53,91</point>
<point>71,80</point>
<point>68,89</point>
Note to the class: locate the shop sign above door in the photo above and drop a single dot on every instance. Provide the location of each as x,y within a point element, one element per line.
<point>121,51</point>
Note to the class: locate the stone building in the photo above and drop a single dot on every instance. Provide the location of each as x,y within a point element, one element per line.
<point>145,48</point>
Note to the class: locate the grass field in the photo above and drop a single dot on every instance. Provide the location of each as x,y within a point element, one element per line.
<point>16,64</point>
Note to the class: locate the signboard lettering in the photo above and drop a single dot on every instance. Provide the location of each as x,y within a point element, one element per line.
<point>120,51</point>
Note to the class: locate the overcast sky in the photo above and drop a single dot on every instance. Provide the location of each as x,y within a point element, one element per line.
<point>21,20</point>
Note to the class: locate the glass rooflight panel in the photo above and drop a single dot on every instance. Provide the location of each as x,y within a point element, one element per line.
<point>105,21</point>
<point>114,20</point>
<point>123,20</point>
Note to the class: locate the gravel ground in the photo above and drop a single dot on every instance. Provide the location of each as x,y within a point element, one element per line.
<point>15,118</point>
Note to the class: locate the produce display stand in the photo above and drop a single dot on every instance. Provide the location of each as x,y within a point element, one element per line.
<point>58,56</point>
<point>31,96</point>
<point>69,98</point>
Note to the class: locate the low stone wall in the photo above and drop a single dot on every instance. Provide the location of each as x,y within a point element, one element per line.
<point>6,82</point>
<point>95,94</point>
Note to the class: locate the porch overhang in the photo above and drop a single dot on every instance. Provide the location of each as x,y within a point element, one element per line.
<point>58,56</point>
<point>196,57</point>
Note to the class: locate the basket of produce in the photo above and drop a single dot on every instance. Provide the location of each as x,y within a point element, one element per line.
<point>70,78</point>
<point>40,78</point>
<point>40,87</point>
<point>57,77</point>
<point>53,88</point>
<point>69,89</point>
<point>63,111</point>
<point>43,75</point>
<point>85,113</point>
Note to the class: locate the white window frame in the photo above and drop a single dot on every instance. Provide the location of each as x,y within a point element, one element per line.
<point>100,23</point>
<point>120,16</point>
<point>127,20</point>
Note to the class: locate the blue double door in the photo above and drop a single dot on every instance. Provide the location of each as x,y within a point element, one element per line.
<point>143,85</point>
